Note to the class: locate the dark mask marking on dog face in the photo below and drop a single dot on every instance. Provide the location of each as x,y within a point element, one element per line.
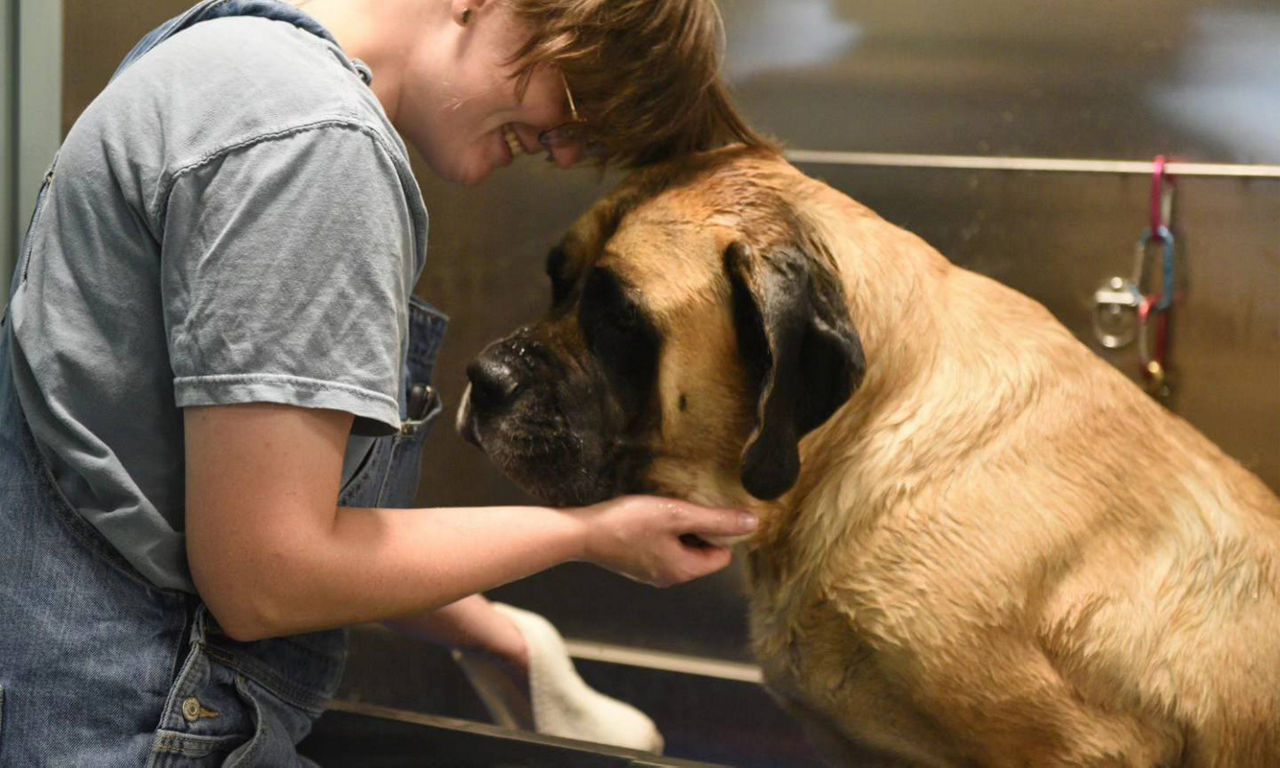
<point>561,284</point>
<point>800,351</point>
<point>621,338</point>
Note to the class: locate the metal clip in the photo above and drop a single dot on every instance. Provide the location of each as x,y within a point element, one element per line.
<point>1152,362</point>
<point>1164,296</point>
<point>423,402</point>
<point>1152,358</point>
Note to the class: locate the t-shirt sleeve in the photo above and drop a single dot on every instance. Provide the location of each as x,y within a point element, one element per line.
<point>286,269</point>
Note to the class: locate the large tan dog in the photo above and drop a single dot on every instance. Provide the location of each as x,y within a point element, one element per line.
<point>989,548</point>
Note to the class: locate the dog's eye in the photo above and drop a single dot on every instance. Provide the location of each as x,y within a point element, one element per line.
<point>605,307</point>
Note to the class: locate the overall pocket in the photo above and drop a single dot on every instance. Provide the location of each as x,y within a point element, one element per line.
<point>404,464</point>
<point>246,704</point>
<point>205,717</point>
<point>278,727</point>
<point>388,477</point>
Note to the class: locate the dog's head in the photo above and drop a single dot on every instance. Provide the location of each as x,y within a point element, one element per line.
<point>698,330</point>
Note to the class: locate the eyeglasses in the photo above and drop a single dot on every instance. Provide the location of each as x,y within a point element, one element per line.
<point>573,133</point>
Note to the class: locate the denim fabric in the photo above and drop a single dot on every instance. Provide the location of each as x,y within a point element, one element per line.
<point>87,648</point>
<point>99,667</point>
<point>390,473</point>
<point>93,656</point>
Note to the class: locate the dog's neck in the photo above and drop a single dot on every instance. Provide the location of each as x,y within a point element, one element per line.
<point>940,370</point>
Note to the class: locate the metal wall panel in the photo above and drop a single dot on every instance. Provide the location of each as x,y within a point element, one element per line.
<point>31,73</point>
<point>1088,78</point>
<point>39,79</point>
<point>8,149</point>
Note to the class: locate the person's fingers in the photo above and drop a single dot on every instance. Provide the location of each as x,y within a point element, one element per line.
<point>707,522</point>
<point>710,560</point>
<point>723,542</point>
<point>662,541</point>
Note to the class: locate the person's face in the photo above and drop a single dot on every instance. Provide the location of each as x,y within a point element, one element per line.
<point>469,124</point>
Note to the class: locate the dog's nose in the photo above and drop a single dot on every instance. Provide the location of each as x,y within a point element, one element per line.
<point>493,383</point>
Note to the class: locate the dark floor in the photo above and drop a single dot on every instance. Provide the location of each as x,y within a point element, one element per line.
<point>701,718</point>
<point>361,736</point>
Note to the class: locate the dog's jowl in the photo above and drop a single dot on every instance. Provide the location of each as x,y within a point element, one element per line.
<point>959,561</point>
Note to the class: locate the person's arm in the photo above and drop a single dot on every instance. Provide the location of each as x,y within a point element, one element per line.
<point>272,554</point>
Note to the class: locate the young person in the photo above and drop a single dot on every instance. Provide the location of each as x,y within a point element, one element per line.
<point>214,379</point>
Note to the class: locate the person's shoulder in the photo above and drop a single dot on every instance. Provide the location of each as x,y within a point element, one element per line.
<point>263,49</point>
<point>266,63</point>
<point>233,79</point>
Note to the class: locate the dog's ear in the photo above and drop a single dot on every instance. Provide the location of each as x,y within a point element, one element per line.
<point>800,351</point>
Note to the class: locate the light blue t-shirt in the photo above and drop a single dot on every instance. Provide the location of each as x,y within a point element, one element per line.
<point>232,220</point>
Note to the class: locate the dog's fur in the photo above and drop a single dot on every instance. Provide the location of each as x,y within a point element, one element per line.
<point>989,548</point>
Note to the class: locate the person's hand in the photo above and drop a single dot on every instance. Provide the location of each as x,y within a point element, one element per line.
<point>660,541</point>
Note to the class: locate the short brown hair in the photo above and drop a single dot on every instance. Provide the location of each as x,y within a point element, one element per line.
<point>644,73</point>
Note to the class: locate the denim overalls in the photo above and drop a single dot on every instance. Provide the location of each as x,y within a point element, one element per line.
<point>100,668</point>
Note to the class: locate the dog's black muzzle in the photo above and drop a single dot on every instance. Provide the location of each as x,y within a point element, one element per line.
<point>507,370</point>
<point>544,418</point>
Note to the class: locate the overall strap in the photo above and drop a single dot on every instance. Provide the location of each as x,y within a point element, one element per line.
<point>218,9</point>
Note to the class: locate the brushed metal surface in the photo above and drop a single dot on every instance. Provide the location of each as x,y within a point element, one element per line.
<point>1194,79</point>
<point>9,226</point>
<point>1032,164</point>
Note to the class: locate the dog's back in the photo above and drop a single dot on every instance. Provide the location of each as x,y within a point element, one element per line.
<point>979,544</point>
<point>1053,568</point>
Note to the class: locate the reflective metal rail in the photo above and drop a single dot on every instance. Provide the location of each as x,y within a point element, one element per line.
<point>1041,164</point>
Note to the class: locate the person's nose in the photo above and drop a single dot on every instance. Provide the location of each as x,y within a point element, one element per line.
<point>565,156</point>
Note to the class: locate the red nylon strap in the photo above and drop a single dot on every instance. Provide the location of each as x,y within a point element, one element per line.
<point>1157,196</point>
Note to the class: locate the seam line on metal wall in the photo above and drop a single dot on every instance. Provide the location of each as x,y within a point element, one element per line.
<point>1040,164</point>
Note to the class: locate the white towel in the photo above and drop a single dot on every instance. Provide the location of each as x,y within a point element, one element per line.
<point>561,703</point>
